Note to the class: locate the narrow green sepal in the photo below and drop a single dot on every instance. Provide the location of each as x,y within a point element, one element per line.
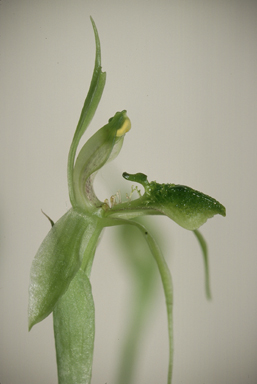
<point>165,277</point>
<point>90,105</point>
<point>204,249</point>
<point>95,90</point>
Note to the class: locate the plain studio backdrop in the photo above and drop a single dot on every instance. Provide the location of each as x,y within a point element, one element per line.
<point>186,73</point>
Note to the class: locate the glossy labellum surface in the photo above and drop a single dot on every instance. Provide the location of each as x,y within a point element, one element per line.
<point>186,206</point>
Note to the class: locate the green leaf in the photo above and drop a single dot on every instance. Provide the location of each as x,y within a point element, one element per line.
<point>56,262</point>
<point>74,330</point>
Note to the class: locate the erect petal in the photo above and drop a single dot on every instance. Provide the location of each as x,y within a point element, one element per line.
<point>102,147</point>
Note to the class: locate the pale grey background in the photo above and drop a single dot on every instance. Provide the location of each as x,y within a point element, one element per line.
<point>186,73</point>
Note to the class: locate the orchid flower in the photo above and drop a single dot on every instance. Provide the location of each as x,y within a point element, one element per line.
<point>60,272</point>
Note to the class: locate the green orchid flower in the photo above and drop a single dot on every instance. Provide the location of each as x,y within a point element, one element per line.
<point>60,272</point>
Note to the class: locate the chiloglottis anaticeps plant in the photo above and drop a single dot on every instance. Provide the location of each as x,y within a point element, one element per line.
<point>60,272</point>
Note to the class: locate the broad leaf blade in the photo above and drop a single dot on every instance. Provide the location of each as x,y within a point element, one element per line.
<point>74,329</point>
<point>55,264</point>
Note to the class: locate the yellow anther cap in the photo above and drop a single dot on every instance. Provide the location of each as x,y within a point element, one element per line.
<point>124,128</point>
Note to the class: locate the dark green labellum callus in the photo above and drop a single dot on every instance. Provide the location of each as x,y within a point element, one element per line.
<point>56,263</point>
<point>187,207</point>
